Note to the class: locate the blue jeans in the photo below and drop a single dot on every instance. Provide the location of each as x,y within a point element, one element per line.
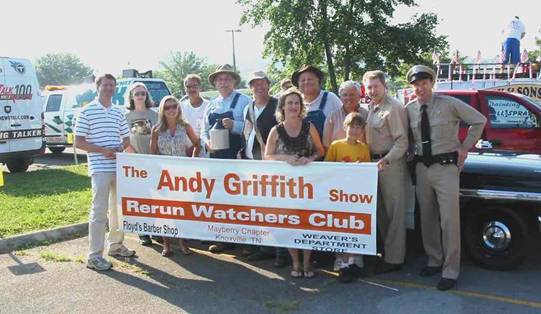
<point>511,49</point>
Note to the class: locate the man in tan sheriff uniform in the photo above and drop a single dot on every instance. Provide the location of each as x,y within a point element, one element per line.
<point>434,122</point>
<point>387,137</point>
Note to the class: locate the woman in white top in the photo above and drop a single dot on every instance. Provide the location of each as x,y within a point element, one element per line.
<point>170,137</point>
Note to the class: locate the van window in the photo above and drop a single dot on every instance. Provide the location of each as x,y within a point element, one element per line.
<point>157,90</point>
<point>506,113</point>
<point>53,103</point>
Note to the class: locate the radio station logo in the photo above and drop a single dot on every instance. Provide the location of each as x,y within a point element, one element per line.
<point>17,66</point>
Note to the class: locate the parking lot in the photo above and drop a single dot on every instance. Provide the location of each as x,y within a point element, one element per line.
<point>54,279</point>
<point>32,281</point>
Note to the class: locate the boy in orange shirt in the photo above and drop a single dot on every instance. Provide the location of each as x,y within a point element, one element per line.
<point>351,149</point>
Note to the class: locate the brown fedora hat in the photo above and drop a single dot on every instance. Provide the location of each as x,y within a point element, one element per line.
<point>226,68</point>
<point>306,68</point>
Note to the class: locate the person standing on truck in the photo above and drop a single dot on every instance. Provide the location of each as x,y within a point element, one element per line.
<point>140,120</point>
<point>387,137</point>
<point>434,123</point>
<point>513,33</point>
<point>102,131</point>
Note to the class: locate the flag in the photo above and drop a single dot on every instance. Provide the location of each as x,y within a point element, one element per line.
<point>435,58</point>
<point>524,58</point>
<point>478,57</point>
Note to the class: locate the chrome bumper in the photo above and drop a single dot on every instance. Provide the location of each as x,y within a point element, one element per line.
<point>501,195</point>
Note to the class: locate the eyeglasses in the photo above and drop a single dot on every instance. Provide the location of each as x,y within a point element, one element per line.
<point>140,94</point>
<point>192,86</point>
<point>170,107</point>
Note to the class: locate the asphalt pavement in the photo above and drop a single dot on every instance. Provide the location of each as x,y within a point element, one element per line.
<point>36,280</point>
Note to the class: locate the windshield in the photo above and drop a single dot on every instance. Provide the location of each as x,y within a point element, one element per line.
<point>157,91</point>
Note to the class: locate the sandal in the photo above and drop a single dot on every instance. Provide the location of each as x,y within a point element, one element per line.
<point>184,248</point>
<point>308,274</point>
<point>296,273</point>
<point>185,251</point>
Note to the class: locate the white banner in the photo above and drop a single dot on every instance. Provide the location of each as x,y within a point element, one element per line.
<point>321,206</point>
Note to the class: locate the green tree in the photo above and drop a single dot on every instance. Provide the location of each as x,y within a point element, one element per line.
<point>178,65</point>
<point>346,37</point>
<point>61,69</point>
<point>536,53</point>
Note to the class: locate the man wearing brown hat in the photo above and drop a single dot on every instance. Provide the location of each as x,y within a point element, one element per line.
<point>321,104</point>
<point>434,123</point>
<point>226,110</point>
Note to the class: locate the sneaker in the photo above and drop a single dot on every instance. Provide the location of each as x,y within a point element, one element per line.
<point>345,275</point>
<point>98,263</point>
<point>145,240</point>
<point>122,251</point>
<point>446,284</point>
<point>216,248</point>
<point>357,271</point>
<point>219,247</point>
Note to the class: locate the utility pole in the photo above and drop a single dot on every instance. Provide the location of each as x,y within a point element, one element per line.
<point>233,31</point>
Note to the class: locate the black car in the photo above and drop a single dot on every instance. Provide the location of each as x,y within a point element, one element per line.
<point>500,198</point>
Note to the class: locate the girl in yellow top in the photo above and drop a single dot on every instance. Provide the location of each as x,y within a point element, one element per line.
<point>350,149</point>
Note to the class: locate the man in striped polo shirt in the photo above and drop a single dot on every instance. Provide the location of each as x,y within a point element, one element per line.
<point>102,131</point>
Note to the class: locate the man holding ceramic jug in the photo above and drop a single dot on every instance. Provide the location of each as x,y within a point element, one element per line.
<point>224,121</point>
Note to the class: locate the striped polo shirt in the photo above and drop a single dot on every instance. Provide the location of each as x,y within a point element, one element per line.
<point>105,127</point>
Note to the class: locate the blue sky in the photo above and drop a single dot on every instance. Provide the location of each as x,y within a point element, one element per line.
<point>109,35</point>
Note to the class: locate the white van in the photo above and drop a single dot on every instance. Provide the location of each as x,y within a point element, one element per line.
<point>21,114</point>
<point>63,103</point>
<point>61,107</point>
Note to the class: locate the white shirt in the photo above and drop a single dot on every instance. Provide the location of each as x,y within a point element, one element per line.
<point>514,29</point>
<point>333,103</point>
<point>104,127</point>
<point>251,137</point>
<point>194,116</point>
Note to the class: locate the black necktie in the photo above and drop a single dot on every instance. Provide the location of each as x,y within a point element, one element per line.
<point>425,136</point>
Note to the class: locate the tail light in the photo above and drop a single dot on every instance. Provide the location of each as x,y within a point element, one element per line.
<point>43,132</point>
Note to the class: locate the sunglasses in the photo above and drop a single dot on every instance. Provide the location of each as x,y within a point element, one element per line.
<point>140,94</point>
<point>170,107</point>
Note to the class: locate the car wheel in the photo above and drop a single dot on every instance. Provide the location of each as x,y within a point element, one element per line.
<point>496,238</point>
<point>57,149</point>
<point>18,165</point>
